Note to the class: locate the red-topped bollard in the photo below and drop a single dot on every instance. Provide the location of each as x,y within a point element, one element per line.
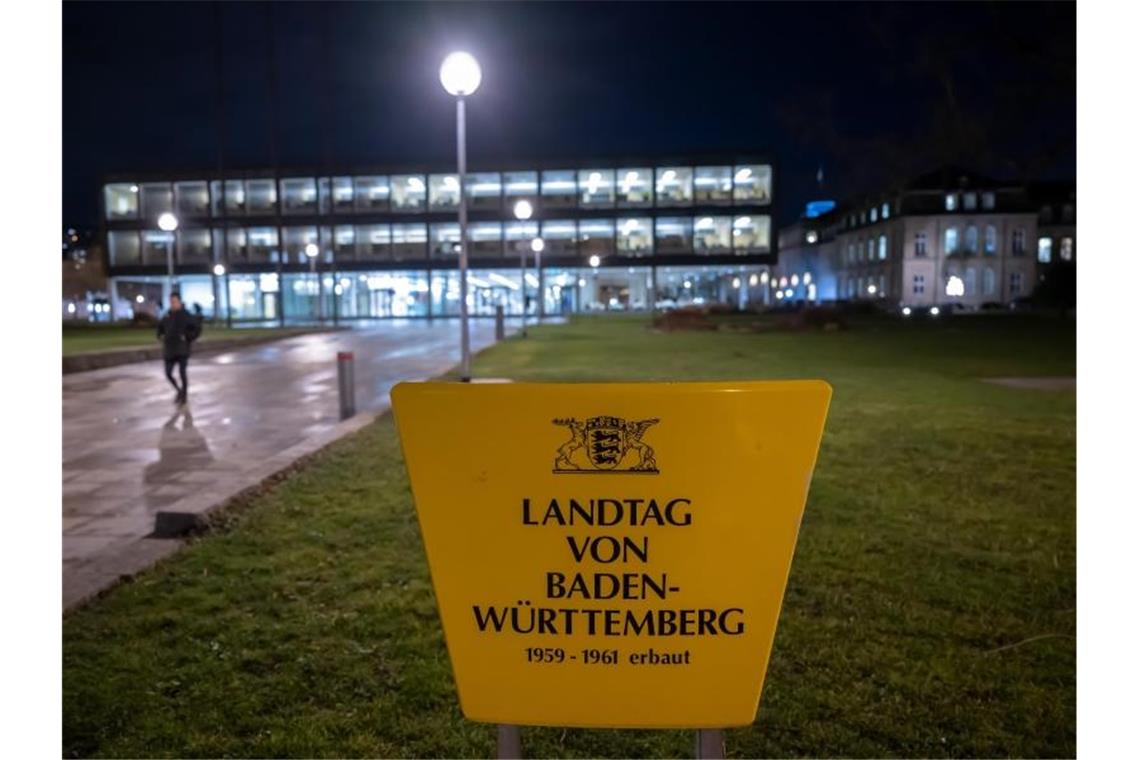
<point>346,381</point>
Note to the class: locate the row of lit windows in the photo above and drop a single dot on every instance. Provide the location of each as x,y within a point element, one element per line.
<point>633,236</point>
<point>951,202</point>
<point>967,285</point>
<point>642,187</point>
<point>1045,249</point>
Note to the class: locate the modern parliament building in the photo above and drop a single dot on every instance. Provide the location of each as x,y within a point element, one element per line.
<point>620,235</point>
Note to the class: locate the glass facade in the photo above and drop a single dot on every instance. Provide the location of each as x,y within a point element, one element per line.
<point>642,215</point>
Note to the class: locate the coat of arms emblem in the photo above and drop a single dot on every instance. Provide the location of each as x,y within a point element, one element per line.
<point>605,444</point>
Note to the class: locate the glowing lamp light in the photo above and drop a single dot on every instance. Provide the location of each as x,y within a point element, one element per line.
<point>795,280</point>
<point>688,284</point>
<point>537,245</point>
<point>71,308</point>
<point>743,174</point>
<point>783,282</point>
<point>779,295</point>
<point>736,282</point>
<point>219,270</point>
<point>595,261</point>
<point>753,280</point>
<point>812,237</point>
<point>523,210</point>
<point>872,289</point>
<point>935,311</point>
<point>312,251</point>
<point>955,287</point>
<point>581,282</point>
<point>807,278</point>
<point>788,292</point>
<point>139,298</point>
<point>764,278</point>
<point>460,74</point>
<point>906,311</point>
<point>168,222</point>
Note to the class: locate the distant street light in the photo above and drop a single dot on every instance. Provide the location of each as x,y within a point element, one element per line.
<point>168,222</point>
<point>219,270</point>
<point>537,245</point>
<point>312,250</point>
<point>460,75</point>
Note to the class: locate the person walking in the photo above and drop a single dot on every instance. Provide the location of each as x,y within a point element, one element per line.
<point>177,330</point>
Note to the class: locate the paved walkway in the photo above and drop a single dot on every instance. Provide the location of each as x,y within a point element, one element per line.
<point>129,453</point>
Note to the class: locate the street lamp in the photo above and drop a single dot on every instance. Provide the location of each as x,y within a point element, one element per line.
<point>312,250</point>
<point>537,245</point>
<point>523,211</point>
<point>460,75</point>
<point>168,222</point>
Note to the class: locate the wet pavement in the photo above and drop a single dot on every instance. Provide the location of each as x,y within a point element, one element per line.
<point>129,452</point>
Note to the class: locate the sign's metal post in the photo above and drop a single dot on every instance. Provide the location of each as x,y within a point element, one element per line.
<point>500,328</point>
<point>710,743</point>
<point>509,742</point>
<point>346,382</point>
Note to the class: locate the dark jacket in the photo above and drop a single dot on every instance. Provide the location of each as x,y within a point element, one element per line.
<point>177,330</point>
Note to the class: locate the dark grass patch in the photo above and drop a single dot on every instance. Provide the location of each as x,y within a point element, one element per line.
<point>931,609</point>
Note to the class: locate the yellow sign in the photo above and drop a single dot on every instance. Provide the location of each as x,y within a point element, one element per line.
<point>610,555</point>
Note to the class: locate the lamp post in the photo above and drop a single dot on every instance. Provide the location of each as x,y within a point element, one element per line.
<point>460,75</point>
<point>219,271</point>
<point>537,245</point>
<point>312,250</point>
<point>168,222</point>
<point>523,211</point>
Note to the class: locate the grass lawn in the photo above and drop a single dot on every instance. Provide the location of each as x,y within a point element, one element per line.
<point>931,609</point>
<point>79,339</point>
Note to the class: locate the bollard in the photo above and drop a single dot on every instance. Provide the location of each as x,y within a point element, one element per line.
<point>500,329</point>
<point>346,381</point>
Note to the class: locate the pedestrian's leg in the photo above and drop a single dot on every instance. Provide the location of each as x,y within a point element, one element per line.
<point>182,361</point>
<point>170,375</point>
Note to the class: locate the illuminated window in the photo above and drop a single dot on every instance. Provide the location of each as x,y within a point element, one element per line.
<point>483,191</point>
<point>485,239</point>
<point>408,193</point>
<point>518,236</point>
<point>951,202</point>
<point>886,211</point>
<point>971,282</point>
<point>635,237</point>
<point>874,215</point>
<point>157,198</point>
<point>559,190</point>
<point>991,240</point>
<point>444,239</point>
<point>596,187</point>
<point>752,183</point>
<point>713,185</point>
<point>344,242</point>
<point>409,241</point>
<point>299,195</point>
<point>560,236</point>
<point>124,247</point>
<point>989,281</point>
<point>121,201</point>
<point>261,245</point>
<point>712,234</point>
<point>235,197</point>
<point>674,234</point>
<point>443,192</point>
<point>971,240</point>
<point>1066,251</point>
<point>882,247</point>
<point>988,201</point>
<point>1044,250</point>
<point>969,201</point>
<point>261,196</point>
<point>634,187</point>
<point>751,234</point>
<point>194,246</point>
<point>373,241</point>
<point>920,244</point>
<point>595,237</point>
<point>191,199</point>
<point>950,246</point>
<point>370,193</point>
<point>674,186</point>
<point>519,186</point>
<point>296,239</point>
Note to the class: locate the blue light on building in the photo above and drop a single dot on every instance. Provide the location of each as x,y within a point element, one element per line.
<point>817,208</point>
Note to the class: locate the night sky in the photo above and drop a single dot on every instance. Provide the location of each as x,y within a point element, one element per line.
<point>873,92</point>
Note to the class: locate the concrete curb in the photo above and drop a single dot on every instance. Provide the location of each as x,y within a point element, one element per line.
<point>86,362</point>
